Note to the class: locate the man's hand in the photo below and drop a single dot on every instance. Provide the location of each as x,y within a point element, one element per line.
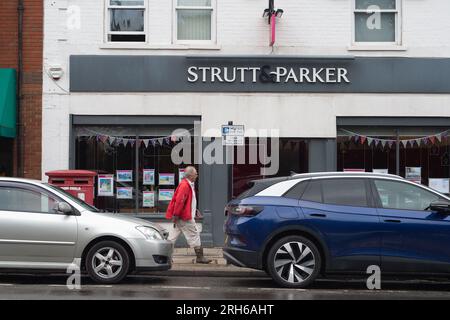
<point>198,214</point>
<point>175,220</point>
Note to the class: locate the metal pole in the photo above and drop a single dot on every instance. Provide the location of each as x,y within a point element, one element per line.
<point>136,183</point>
<point>397,154</point>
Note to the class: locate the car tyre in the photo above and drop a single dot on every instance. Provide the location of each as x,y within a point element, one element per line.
<point>294,262</point>
<point>107,262</point>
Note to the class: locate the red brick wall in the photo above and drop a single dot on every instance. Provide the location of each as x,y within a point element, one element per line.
<point>31,99</point>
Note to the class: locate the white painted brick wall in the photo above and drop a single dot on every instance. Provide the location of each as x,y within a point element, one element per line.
<point>308,27</point>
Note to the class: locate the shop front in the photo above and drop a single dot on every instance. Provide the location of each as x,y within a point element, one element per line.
<point>128,115</point>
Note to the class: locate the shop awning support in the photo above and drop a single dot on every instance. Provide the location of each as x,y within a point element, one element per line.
<point>397,153</point>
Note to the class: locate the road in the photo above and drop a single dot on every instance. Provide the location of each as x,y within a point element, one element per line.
<point>188,287</point>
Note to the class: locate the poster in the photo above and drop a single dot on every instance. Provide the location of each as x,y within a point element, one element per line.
<point>181,174</point>
<point>413,174</point>
<point>441,185</point>
<point>354,170</point>
<point>165,194</point>
<point>149,177</point>
<point>124,175</point>
<point>383,171</point>
<point>166,179</point>
<point>105,185</point>
<point>124,193</point>
<point>148,199</point>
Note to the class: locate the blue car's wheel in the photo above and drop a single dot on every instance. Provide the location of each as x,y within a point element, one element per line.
<point>294,262</point>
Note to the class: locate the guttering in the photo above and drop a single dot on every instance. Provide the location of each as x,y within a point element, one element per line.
<point>19,140</point>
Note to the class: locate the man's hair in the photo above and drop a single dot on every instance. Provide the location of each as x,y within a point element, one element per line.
<point>189,170</point>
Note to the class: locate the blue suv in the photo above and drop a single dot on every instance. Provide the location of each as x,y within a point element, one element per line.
<point>299,227</point>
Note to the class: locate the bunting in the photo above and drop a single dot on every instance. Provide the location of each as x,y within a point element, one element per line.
<point>361,139</point>
<point>117,141</point>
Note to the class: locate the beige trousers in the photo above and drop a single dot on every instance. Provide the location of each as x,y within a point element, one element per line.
<point>190,230</point>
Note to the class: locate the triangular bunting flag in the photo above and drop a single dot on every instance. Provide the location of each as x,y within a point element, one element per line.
<point>432,139</point>
<point>146,143</point>
<point>439,137</point>
<point>363,139</point>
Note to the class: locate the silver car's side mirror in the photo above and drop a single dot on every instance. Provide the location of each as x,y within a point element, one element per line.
<point>64,207</point>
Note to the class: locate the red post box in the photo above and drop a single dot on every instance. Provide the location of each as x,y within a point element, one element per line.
<point>80,183</point>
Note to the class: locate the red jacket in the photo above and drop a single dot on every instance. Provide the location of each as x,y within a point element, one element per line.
<point>181,203</point>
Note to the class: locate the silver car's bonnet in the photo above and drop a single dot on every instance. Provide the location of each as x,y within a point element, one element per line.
<point>121,218</point>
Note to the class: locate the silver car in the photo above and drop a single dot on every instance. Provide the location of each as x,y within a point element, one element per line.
<point>42,227</point>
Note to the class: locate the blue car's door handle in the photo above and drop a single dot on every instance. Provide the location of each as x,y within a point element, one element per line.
<point>392,221</point>
<point>320,215</point>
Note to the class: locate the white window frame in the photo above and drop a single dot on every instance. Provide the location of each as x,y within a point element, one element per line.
<point>108,32</point>
<point>370,45</point>
<point>213,10</point>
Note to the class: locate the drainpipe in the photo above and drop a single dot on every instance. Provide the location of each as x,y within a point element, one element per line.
<point>19,142</point>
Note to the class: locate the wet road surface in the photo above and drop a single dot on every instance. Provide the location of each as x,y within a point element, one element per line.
<point>187,287</point>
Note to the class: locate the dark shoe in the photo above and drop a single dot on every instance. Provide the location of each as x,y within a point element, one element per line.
<point>200,257</point>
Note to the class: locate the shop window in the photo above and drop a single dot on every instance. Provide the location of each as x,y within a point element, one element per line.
<point>126,20</point>
<point>293,158</point>
<point>377,22</point>
<point>144,176</point>
<point>424,159</point>
<point>195,20</point>
<point>6,157</point>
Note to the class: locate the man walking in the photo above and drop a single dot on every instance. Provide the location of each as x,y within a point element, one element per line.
<point>182,210</point>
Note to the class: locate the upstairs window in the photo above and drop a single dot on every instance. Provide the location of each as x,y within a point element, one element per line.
<point>377,22</point>
<point>195,20</point>
<point>126,20</point>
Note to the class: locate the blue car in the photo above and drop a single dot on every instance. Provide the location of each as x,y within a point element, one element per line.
<point>299,227</point>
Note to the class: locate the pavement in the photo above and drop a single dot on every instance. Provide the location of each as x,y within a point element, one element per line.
<point>184,263</point>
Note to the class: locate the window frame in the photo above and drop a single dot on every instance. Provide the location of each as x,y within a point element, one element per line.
<point>107,20</point>
<point>33,188</point>
<point>377,197</point>
<point>370,45</point>
<point>213,10</point>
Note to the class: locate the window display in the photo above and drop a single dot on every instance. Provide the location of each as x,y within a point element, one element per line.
<point>148,199</point>
<point>149,177</point>
<point>136,173</point>
<point>422,156</point>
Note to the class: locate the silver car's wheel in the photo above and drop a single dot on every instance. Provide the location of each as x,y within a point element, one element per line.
<point>294,262</point>
<point>107,263</point>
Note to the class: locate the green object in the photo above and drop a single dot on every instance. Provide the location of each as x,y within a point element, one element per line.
<point>8,103</point>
